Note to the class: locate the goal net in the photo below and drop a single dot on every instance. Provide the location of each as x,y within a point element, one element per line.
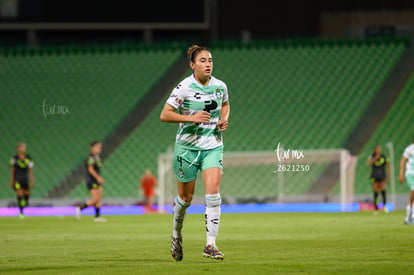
<point>307,176</point>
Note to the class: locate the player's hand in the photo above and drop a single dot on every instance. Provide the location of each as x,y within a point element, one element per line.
<point>100,180</point>
<point>201,117</point>
<point>401,178</point>
<point>223,124</point>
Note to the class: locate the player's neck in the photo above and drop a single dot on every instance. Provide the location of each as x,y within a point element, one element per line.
<point>203,81</point>
<point>21,155</point>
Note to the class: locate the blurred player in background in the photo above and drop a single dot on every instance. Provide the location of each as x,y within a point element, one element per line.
<point>407,173</point>
<point>94,181</point>
<point>21,176</point>
<point>200,104</point>
<point>379,175</point>
<point>148,184</point>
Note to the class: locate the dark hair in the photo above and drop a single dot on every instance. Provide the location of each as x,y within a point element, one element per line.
<point>193,50</point>
<point>93,143</point>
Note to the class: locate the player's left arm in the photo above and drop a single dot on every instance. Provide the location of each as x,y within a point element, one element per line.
<point>387,177</point>
<point>31,177</point>
<point>402,167</point>
<point>12,176</point>
<point>223,123</point>
<point>31,174</point>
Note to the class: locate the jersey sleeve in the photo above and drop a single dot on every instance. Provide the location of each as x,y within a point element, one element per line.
<point>90,161</point>
<point>30,162</point>
<point>176,97</point>
<point>225,94</point>
<point>407,154</point>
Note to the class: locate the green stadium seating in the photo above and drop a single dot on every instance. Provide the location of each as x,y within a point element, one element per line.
<point>98,84</point>
<point>397,127</point>
<point>307,95</point>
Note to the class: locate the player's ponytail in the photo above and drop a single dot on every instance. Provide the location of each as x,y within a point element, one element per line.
<point>193,50</point>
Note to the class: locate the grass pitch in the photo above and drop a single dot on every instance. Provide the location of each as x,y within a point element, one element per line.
<point>272,243</point>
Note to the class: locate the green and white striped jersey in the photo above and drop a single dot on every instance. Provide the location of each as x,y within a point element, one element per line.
<point>190,97</point>
<point>409,154</point>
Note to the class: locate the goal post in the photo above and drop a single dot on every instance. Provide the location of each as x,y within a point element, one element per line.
<point>264,177</point>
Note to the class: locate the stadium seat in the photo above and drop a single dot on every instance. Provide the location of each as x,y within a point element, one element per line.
<point>304,94</point>
<point>98,84</point>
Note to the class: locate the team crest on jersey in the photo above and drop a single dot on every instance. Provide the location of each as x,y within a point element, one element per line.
<point>218,93</point>
<point>178,100</point>
<point>180,172</point>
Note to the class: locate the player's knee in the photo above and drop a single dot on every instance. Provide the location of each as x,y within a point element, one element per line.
<point>187,197</point>
<point>94,201</point>
<point>213,200</point>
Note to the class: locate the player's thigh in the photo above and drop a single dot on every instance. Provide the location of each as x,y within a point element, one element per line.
<point>212,158</point>
<point>21,188</point>
<point>212,166</point>
<point>412,196</point>
<point>382,185</point>
<point>186,190</point>
<point>100,191</point>
<point>94,194</point>
<point>375,186</point>
<point>185,164</point>
<point>19,192</point>
<point>211,179</point>
<point>410,181</point>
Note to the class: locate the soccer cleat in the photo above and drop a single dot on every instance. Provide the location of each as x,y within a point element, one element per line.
<point>99,219</point>
<point>177,249</point>
<point>212,251</point>
<point>21,216</point>
<point>78,212</point>
<point>408,221</point>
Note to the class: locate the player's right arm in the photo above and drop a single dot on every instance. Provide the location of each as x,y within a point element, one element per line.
<point>168,114</point>
<point>373,159</point>
<point>402,167</point>
<point>92,171</point>
<point>12,176</point>
<point>12,170</point>
<point>174,102</point>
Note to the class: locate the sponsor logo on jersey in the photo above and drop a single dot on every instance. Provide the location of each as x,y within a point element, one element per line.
<point>218,93</point>
<point>197,95</point>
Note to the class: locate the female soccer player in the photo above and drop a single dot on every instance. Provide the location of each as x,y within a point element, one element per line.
<point>200,104</point>
<point>94,181</point>
<point>21,176</point>
<point>379,175</point>
<point>407,163</point>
